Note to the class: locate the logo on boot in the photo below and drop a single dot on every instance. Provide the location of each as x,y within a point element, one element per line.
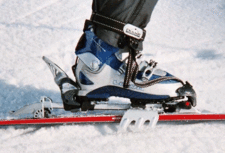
<point>133,31</point>
<point>131,86</point>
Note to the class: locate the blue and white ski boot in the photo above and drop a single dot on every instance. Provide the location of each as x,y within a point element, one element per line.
<point>101,73</point>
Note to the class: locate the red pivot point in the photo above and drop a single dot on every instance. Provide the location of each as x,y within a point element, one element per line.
<point>187,103</point>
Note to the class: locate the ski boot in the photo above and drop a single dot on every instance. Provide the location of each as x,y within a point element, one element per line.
<point>101,73</point>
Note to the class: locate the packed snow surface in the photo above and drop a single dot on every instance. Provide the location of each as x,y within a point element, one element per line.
<point>186,38</point>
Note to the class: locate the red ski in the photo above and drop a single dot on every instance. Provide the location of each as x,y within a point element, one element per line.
<point>110,118</point>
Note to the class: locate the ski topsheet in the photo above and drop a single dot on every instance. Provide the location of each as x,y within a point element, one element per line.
<point>110,118</point>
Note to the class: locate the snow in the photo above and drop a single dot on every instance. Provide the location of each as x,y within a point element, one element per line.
<point>186,38</point>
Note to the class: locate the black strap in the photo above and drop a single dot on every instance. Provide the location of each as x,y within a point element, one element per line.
<point>132,69</point>
<point>112,24</point>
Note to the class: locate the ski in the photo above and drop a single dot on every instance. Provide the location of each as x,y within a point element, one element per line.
<point>109,118</point>
<point>48,112</point>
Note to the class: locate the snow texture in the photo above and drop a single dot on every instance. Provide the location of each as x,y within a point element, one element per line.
<point>187,38</point>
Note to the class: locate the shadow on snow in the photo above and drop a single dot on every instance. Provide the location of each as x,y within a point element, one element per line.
<point>208,55</point>
<point>13,97</point>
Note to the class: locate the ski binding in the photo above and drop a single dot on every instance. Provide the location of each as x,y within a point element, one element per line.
<point>74,110</point>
